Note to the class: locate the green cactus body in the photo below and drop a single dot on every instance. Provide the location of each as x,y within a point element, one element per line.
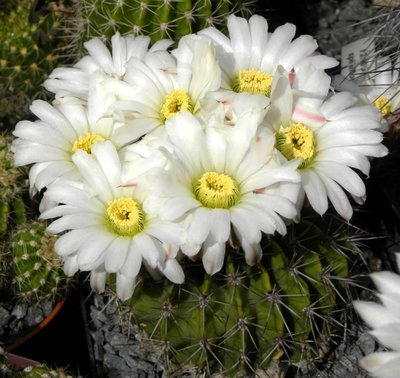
<point>26,55</point>
<point>42,371</point>
<point>156,18</point>
<point>244,318</point>
<point>13,185</point>
<point>36,267</point>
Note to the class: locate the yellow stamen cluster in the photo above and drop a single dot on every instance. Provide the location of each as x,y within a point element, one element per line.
<point>175,102</point>
<point>384,105</point>
<point>296,141</point>
<point>216,190</point>
<point>85,142</point>
<point>254,82</point>
<point>125,216</point>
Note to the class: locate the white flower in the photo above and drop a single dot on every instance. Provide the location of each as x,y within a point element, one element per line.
<point>328,134</point>
<point>50,142</point>
<point>154,94</point>
<point>220,180</point>
<point>250,57</point>
<point>380,88</point>
<point>74,81</point>
<point>384,319</point>
<point>108,228</point>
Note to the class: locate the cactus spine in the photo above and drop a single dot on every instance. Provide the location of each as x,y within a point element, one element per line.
<point>27,54</point>
<point>244,318</point>
<point>37,270</point>
<point>157,18</point>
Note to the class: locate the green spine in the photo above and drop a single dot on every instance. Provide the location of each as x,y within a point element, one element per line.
<point>244,318</point>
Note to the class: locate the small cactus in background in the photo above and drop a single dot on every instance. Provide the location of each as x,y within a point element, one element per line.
<point>157,18</point>
<point>27,54</point>
<point>244,318</point>
<point>42,371</point>
<point>37,270</point>
<point>13,184</point>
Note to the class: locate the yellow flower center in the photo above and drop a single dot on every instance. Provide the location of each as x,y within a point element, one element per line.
<point>384,105</point>
<point>216,190</point>
<point>254,82</point>
<point>296,141</point>
<point>175,102</point>
<point>85,142</point>
<point>125,216</point>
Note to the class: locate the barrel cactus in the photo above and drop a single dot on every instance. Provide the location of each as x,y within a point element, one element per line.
<point>27,55</point>
<point>243,319</point>
<point>36,268</point>
<point>42,371</point>
<point>156,18</point>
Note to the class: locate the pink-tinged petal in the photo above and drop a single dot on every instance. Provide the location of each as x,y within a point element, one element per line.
<point>173,271</point>
<point>315,190</point>
<point>382,364</point>
<point>190,249</point>
<point>213,256</point>
<point>337,197</point>
<point>374,314</point>
<point>98,281</point>
<point>308,116</point>
<point>125,286</point>
<point>252,252</point>
<point>115,254</point>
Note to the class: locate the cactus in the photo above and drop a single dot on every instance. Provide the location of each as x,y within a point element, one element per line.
<point>244,318</point>
<point>13,184</point>
<point>37,270</point>
<point>157,18</point>
<point>27,54</point>
<point>43,371</point>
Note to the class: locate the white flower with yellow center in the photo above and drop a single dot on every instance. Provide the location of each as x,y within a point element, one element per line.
<point>60,131</point>
<point>384,319</point>
<point>251,55</point>
<point>105,226</point>
<point>221,181</point>
<point>152,95</point>
<point>328,135</point>
<point>380,88</point>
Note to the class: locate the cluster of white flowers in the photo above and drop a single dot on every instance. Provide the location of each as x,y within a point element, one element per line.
<point>384,319</point>
<point>149,154</point>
